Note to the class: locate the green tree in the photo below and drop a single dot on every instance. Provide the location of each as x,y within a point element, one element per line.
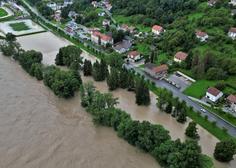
<point>191,130</point>
<point>87,68</point>
<point>225,150</point>
<point>113,79</point>
<point>142,93</point>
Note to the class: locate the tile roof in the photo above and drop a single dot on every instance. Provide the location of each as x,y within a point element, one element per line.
<point>213,91</point>
<point>181,55</point>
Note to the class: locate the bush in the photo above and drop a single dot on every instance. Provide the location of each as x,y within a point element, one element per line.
<point>225,150</point>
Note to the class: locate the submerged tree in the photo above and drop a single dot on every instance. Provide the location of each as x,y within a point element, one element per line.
<point>191,130</point>
<point>142,93</point>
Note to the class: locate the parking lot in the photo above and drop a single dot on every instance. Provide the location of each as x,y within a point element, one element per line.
<point>179,81</point>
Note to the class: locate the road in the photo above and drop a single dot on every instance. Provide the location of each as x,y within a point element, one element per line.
<point>177,93</point>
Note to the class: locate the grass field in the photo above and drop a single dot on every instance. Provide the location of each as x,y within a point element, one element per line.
<point>3,12</point>
<point>21,26</point>
<point>198,88</point>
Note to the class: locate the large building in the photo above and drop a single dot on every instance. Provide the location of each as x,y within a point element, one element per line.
<point>157,72</point>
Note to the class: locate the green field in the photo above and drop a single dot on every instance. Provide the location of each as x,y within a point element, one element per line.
<point>21,26</point>
<point>198,88</point>
<point>3,12</point>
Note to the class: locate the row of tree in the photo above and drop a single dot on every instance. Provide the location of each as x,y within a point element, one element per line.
<point>151,138</point>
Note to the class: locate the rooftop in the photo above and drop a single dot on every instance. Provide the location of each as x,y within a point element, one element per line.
<point>213,91</point>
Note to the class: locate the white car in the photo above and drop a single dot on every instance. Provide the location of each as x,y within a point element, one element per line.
<point>203,110</point>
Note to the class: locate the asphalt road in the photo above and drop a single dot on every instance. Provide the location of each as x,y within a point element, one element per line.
<point>177,93</point>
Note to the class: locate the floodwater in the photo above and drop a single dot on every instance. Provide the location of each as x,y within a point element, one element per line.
<point>73,112</point>
<point>39,130</point>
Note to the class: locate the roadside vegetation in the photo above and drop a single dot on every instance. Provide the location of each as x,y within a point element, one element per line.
<point>3,13</point>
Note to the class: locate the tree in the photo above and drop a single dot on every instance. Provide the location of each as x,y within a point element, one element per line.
<point>123,78</point>
<point>191,130</point>
<point>37,71</point>
<point>87,68</point>
<point>216,74</point>
<point>113,79</point>
<point>10,37</point>
<point>142,93</point>
<point>225,150</point>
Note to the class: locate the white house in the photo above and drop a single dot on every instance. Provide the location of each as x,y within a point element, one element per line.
<point>231,99</point>
<point>213,94</point>
<point>134,56</point>
<point>52,5</point>
<point>202,36</point>
<point>211,2</point>
<point>68,2</point>
<point>106,22</point>
<point>232,33</point>
<point>157,30</point>
<point>180,56</point>
<point>233,2</point>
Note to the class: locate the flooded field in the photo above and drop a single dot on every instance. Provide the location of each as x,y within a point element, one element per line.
<point>47,43</point>
<point>40,130</point>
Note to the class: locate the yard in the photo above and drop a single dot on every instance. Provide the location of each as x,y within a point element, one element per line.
<point>3,13</point>
<point>21,26</point>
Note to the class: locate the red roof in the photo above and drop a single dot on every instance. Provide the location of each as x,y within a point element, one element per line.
<point>233,30</point>
<point>201,34</point>
<point>181,56</point>
<point>231,98</point>
<point>134,53</point>
<point>213,91</point>
<point>157,28</point>
<point>161,68</point>
<point>102,36</point>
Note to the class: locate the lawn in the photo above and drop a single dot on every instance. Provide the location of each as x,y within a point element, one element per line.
<point>143,48</point>
<point>198,88</point>
<point>21,26</point>
<point>3,12</point>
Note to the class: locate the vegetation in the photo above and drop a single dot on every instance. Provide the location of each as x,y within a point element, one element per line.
<point>20,26</point>
<point>69,56</point>
<point>63,83</point>
<point>153,139</point>
<point>3,13</point>
<point>142,93</point>
<point>225,150</point>
<point>100,70</point>
<point>88,68</point>
<point>191,130</point>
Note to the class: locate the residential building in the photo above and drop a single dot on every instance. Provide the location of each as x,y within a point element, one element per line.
<point>233,2</point>
<point>157,30</point>
<point>212,2</point>
<point>122,46</point>
<point>68,2</point>
<point>101,39</point>
<point>231,99</point>
<point>232,33</point>
<point>233,12</point>
<point>134,56</point>
<point>202,36</point>
<point>126,28</point>
<point>180,56</point>
<point>106,22</point>
<point>213,94</point>
<point>73,15</point>
<point>95,4</point>
<point>157,72</point>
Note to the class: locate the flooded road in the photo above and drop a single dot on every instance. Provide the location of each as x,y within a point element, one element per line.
<point>39,130</point>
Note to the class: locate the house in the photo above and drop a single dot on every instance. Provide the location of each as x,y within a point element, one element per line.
<point>127,28</point>
<point>157,72</point>
<point>73,15</point>
<point>57,15</point>
<point>213,94</point>
<point>106,23</point>
<point>71,27</point>
<point>157,30</point>
<point>202,36</point>
<point>68,2</point>
<point>233,12</point>
<point>52,5</point>
<point>123,46</point>
<point>180,56</point>
<point>233,2</point>
<point>95,4</point>
<point>231,99</point>
<point>134,56</point>
<point>212,2</point>
<point>101,39</point>
<point>101,14</point>
<point>232,33</point>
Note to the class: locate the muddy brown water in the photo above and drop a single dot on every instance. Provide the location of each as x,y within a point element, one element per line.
<point>40,130</point>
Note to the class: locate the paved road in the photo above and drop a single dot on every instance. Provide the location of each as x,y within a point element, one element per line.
<point>177,93</point>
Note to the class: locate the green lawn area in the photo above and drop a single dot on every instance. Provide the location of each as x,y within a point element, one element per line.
<point>3,12</point>
<point>198,88</point>
<point>143,48</point>
<point>21,26</point>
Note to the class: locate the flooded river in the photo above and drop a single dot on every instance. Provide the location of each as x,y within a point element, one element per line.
<point>40,130</point>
